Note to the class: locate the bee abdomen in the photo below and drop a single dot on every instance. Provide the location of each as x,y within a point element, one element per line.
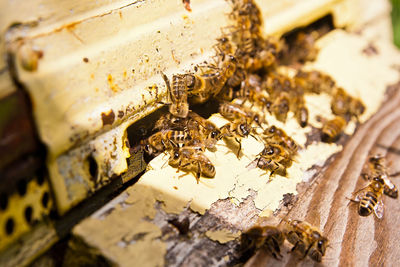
<point>393,193</point>
<point>332,129</point>
<point>367,204</point>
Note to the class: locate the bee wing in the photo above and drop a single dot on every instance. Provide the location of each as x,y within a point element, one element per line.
<point>253,164</point>
<point>360,193</point>
<point>379,209</point>
<point>388,182</point>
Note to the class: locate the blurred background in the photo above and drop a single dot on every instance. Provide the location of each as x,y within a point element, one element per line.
<point>396,21</point>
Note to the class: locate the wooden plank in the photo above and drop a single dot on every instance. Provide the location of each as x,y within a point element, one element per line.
<point>354,240</point>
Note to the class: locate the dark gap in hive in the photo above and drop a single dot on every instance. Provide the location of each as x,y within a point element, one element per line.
<point>45,199</point>
<point>294,52</point>
<point>93,168</point>
<point>21,187</point>
<point>10,226</point>
<point>3,201</point>
<point>143,128</point>
<point>40,176</point>
<point>28,214</point>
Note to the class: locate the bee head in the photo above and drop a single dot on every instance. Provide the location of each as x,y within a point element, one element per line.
<point>180,110</point>
<point>315,255</point>
<point>216,134</point>
<point>190,81</point>
<point>244,129</point>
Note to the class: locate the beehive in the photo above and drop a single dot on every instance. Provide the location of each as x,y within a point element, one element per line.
<point>105,81</point>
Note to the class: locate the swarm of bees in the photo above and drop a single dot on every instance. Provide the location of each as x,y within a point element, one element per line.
<point>244,73</point>
<point>306,239</point>
<point>241,75</point>
<point>369,198</point>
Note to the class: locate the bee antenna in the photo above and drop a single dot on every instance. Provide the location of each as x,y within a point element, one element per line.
<point>254,137</point>
<point>163,103</point>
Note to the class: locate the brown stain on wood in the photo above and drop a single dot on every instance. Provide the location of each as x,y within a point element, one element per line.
<point>108,118</point>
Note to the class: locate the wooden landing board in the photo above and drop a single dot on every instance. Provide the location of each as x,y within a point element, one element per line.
<point>354,240</point>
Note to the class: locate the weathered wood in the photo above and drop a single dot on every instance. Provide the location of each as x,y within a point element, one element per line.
<point>354,240</point>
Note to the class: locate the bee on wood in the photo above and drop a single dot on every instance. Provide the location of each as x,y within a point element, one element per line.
<point>164,140</point>
<point>304,48</point>
<point>332,129</point>
<point>307,239</point>
<point>236,79</point>
<point>278,136</point>
<point>247,15</point>
<point>280,106</point>
<point>265,55</point>
<point>378,168</point>
<point>223,46</point>
<point>266,237</point>
<point>314,82</point>
<point>274,158</point>
<point>250,90</point>
<point>192,159</point>
<point>369,198</point>
<point>343,104</point>
<point>209,79</point>
<point>298,106</point>
<point>234,112</point>
<point>207,130</point>
<point>277,83</point>
<point>236,129</point>
<point>178,94</point>
<point>168,121</point>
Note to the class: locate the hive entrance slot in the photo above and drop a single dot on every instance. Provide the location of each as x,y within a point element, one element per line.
<point>300,41</point>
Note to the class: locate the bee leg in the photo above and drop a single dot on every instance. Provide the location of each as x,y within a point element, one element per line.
<point>352,201</point>
<point>365,176</point>
<point>240,147</point>
<point>294,247</point>
<point>307,251</point>
<point>180,167</point>
<point>277,251</point>
<point>167,83</point>
<point>394,174</point>
<point>198,173</point>
<point>273,171</point>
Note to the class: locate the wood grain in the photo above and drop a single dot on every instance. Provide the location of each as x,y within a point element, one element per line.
<point>354,240</point>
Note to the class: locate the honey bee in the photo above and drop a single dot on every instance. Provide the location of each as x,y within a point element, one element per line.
<point>178,94</point>
<point>332,129</point>
<point>298,106</point>
<point>164,140</point>
<point>304,48</point>
<point>280,107</point>
<point>209,80</point>
<point>345,105</point>
<point>369,198</point>
<point>276,135</point>
<point>236,129</point>
<point>191,159</point>
<point>237,78</point>
<point>223,46</point>
<point>314,82</point>
<point>208,131</point>
<point>251,91</point>
<point>168,121</point>
<point>247,15</point>
<point>307,239</point>
<point>390,188</point>
<point>274,158</point>
<point>234,112</point>
<point>265,55</point>
<point>378,168</point>
<point>266,237</point>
